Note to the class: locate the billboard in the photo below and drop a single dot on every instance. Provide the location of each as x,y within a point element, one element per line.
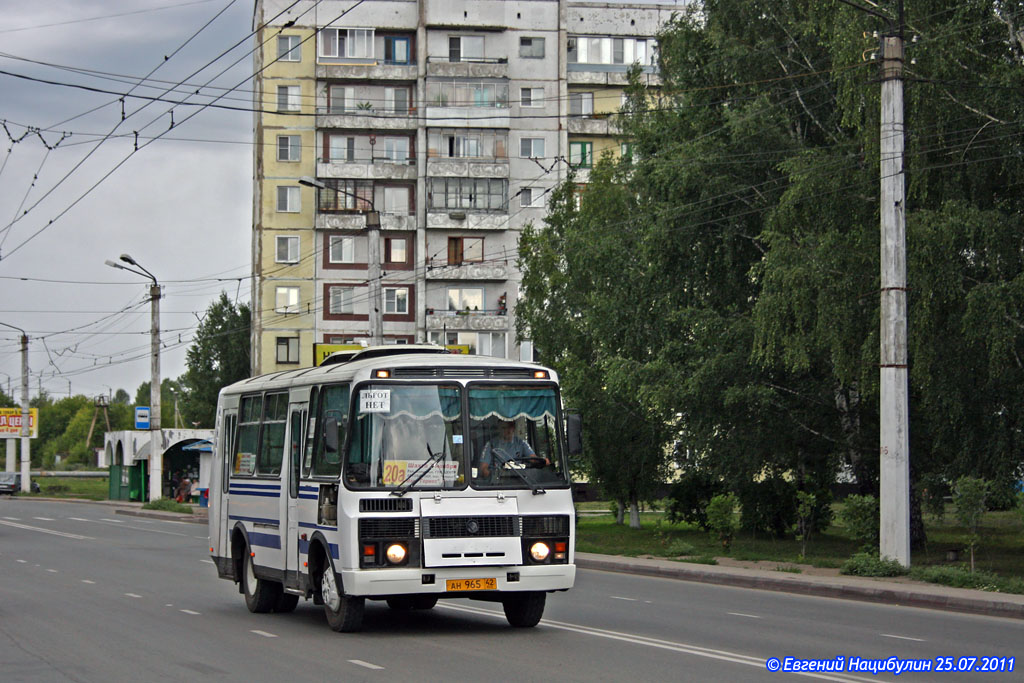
<point>10,422</point>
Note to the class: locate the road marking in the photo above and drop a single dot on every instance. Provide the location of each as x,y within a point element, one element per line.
<point>115,521</point>
<point>44,519</point>
<point>360,662</point>
<point>189,611</point>
<point>52,571</point>
<point>88,581</point>
<point>685,648</point>
<point>80,519</point>
<point>13,519</point>
<point>23,561</point>
<point>133,595</point>
<point>48,531</point>
<point>263,633</point>
<point>122,525</point>
<point>889,635</point>
<point>616,597</point>
<point>741,614</point>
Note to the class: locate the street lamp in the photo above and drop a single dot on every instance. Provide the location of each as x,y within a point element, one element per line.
<point>373,252</point>
<point>155,455</point>
<point>26,485</point>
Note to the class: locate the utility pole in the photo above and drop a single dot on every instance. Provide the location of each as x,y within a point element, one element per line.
<point>26,485</point>
<point>894,410</point>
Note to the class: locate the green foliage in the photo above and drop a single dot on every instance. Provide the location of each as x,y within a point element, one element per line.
<point>860,517</point>
<point>969,495</point>
<point>1020,504</point>
<point>934,489</point>
<point>768,505</point>
<point>167,505</point>
<point>1002,495</point>
<point>806,505</point>
<point>689,497</point>
<point>870,564</point>
<point>964,577</point>
<point>722,518</point>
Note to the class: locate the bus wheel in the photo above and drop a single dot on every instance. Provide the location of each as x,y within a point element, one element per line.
<point>260,595</point>
<point>524,610</point>
<point>344,612</point>
<point>424,602</point>
<point>286,602</point>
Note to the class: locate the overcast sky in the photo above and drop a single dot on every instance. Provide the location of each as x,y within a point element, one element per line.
<point>180,205</point>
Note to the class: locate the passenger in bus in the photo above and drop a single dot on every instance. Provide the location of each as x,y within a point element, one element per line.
<point>506,447</point>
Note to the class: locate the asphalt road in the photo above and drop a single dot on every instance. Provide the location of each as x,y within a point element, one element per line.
<point>88,595</point>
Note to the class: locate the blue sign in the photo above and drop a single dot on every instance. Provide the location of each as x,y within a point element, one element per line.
<point>142,417</point>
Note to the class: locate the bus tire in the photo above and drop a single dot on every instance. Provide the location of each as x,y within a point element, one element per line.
<point>286,602</point>
<point>344,612</point>
<point>524,610</point>
<point>260,594</point>
<point>424,602</point>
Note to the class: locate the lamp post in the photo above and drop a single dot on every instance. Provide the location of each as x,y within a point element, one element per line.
<point>155,453</point>
<point>373,256</point>
<point>26,485</point>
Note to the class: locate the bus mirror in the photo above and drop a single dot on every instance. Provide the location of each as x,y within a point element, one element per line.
<point>331,435</point>
<point>574,433</point>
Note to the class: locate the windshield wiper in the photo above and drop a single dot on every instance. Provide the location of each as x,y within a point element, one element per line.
<point>535,488</point>
<point>420,472</point>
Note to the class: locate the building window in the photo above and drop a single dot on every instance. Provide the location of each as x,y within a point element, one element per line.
<point>581,154</point>
<point>286,300</point>
<point>287,349</point>
<point>396,300</point>
<point>396,50</point>
<point>531,97</point>
<point>289,148</point>
<point>348,43</point>
<point>532,48</point>
<point>288,49</point>
<point>531,148</point>
<point>288,98</point>
<point>351,195</point>
<point>465,48</point>
<point>479,343</point>
<point>342,249</point>
<point>396,250</point>
<point>288,199</point>
<point>340,300</point>
<point>287,249</point>
<point>341,148</point>
<point>624,51</point>
<point>340,99</point>
<point>464,93</point>
<point>628,151</point>
<point>465,299</point>
<point>396,150</point>
<point>531,197</point>
<point>450,143</point>
<point>396,100</point>
<point>581,103</point>
<point>477,194</point>
<point>465,250</point>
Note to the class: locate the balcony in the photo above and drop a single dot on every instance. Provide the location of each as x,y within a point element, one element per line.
<point>493,270</point>
<point>378,169</point>
<point>344,220</point>
<point>377,71</point>
<point>476,321</point>
<point>467,167</point>
<point>461,219</point>
<point>599,124</point>
<point>367,118</point>
<point>442,67</point>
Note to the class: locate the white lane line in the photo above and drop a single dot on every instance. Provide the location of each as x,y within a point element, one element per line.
<point>47,531</point>
<point>13,519</point>
<point>189,611</point>
<point>685,648</point>
<point>80,519</point>
<point>741,614</point>
<point>88,581</point>
<point>115,521</point>
<point>44,519</point>
<point>52,571</point>
<point>133,595</point>
<point>360,662</point>
<point>23,561</point>
<point>263,633</point>
<point>617,597</point>
<point>889,635</point>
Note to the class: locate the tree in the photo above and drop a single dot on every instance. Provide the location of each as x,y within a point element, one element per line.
<point>218,357</point>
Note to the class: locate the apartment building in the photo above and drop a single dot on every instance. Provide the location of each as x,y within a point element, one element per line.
<point>401,146</point>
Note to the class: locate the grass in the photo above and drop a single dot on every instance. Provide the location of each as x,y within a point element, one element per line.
<point>90,488</point>
<point>167,505</point>
<point>1000,554</point>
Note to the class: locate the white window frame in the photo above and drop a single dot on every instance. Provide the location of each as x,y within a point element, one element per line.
<point>346,244</point>
<point>291,350</point>
<point>292,148</point>
<point>586,101</point>
<point>459,304</point>
<point>396,300</point>
<point>465,40</point>
<point>396,150</point>
<point>531,197</point>
<point>533,41</point>
<point>289,199</point>
<point>390,104</point>
<point>344,145</point>
<point>392,241</point>
<point>341,300</point>
<point>531,97</point>
<point>289,49</point>
<point>348,97</point>
<point>397,200</point>
<point>289,98</point>
<point>531,148</point>
<point>290,244</point>
<point>286,299</point>
<point>358,43</point>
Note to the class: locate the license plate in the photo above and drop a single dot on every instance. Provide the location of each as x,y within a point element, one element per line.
<point>471,584</point>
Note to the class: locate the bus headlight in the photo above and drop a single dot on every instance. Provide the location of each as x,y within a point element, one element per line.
<point>539,551</point>
<point>396,553</point>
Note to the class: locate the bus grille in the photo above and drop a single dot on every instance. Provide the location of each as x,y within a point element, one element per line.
<point>467,527</point>
<point>385,504</point>
<point>546,525</point>
<point>388,528</point>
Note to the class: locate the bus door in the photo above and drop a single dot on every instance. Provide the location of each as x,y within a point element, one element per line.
<point>297,420</point>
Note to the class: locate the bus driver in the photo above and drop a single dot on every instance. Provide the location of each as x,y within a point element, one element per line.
<point>507,447</point>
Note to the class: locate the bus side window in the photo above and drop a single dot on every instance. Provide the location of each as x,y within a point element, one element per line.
<point>314,410</point>
<point>327,462</point>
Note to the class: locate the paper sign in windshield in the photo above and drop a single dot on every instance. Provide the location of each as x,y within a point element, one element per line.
<point>396,471</point>
<point>375,401</point>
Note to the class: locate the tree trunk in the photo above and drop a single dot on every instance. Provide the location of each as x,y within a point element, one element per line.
<point>620,512</point>
<point>918,537</point>
<point>634,514</point>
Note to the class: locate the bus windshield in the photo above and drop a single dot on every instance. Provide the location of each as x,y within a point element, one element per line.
<point>514,437</point>
<point>406,436</point>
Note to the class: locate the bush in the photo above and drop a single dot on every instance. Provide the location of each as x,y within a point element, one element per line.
<point>860,517</point>
<point>969,496</point>
<point>722,518</point>
<point>870,564</point>
<point>1002,495</point>
<point>167,505</point>
<point>962,577</point>
<point>768,505</point>
<point>934,489</point>
<point>689,497</point>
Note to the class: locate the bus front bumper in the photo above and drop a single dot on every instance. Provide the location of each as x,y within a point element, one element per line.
<point>461,580</point>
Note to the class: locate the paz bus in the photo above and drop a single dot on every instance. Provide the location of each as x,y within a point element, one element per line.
<point>380,475</point>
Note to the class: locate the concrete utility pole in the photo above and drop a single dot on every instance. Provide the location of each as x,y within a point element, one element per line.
<point>26,485</point>
<point>894,411</point>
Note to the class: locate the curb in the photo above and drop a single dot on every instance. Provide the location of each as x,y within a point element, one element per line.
<point>937,597</point>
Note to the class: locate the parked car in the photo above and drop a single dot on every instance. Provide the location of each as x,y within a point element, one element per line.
<point>10,482</point>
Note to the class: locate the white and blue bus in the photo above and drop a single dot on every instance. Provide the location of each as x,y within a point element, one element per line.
<point>386,474</point>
